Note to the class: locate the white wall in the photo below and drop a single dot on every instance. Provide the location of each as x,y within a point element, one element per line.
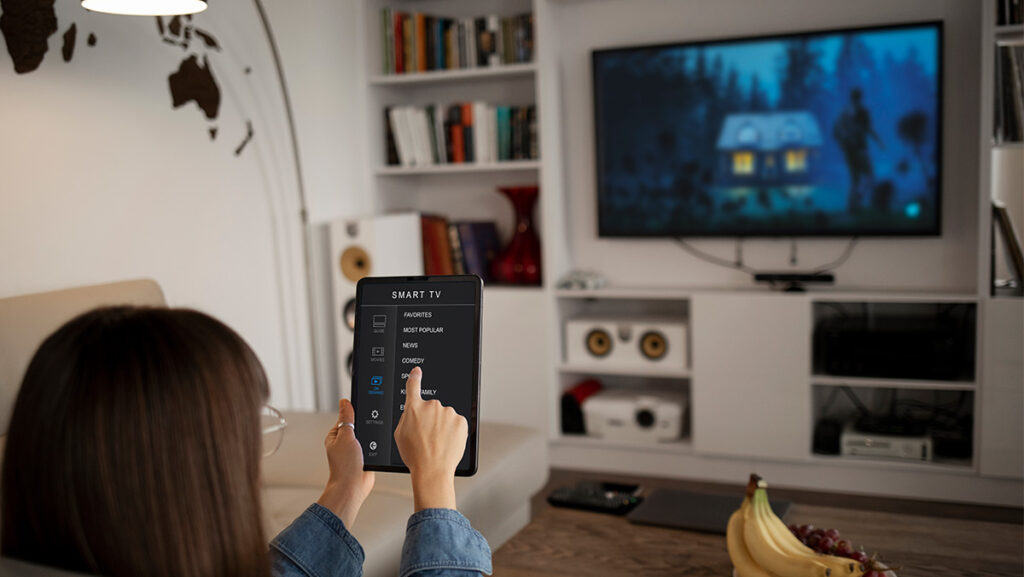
<point>103,181</point>
<point>947,263</point>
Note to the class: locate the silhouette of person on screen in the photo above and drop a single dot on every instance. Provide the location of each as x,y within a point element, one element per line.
<point>851,131</point>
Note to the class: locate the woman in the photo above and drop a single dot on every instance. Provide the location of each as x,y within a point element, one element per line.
<point>134,449</point>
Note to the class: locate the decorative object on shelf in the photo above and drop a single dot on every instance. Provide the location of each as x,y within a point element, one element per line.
<point>519,262</point>
<point>572,406</point>
<point>583,280</point>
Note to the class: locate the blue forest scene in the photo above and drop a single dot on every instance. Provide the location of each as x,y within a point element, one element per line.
<point>824,134</point>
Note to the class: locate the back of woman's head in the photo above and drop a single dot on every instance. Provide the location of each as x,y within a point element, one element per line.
<point>134,449</point>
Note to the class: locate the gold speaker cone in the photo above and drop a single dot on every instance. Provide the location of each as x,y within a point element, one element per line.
<point>599,342</point>
<point>355,263</point>
<point>653,345</point>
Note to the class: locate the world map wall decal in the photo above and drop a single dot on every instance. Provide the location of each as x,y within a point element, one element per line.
<point>27,26</point>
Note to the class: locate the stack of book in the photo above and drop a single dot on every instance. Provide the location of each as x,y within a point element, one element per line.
<point>415,42</point>
<point>463,247</point>
<point>459,133</point>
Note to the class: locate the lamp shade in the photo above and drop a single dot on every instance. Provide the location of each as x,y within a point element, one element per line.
<point>145,7</point>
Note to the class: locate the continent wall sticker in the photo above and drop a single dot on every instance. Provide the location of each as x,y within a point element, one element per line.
<point>27,26</point>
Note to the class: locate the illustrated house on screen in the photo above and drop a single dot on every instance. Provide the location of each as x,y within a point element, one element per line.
<point>776,148</point>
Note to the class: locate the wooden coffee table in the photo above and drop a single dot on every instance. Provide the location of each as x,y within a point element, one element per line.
<point>570,542</point>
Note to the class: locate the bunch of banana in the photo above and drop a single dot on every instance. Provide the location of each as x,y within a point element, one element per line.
<point>760,544</point>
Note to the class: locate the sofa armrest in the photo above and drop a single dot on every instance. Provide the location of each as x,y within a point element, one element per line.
<point>301,460</point>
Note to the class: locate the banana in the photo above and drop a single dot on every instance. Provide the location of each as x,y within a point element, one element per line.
<point>767,553</point>
<point>738,554</point>
<point>788,542</point>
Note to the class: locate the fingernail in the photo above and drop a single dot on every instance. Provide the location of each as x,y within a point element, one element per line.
<point>416,370</point>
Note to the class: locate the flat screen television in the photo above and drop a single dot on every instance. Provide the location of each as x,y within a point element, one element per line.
<point>829,133</point>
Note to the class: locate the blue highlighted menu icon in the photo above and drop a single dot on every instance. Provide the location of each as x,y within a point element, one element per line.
<point>375,385</point>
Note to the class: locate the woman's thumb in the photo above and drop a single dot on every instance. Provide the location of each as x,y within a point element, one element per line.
<point>346,413</point>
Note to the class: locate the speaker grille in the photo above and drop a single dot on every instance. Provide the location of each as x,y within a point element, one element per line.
<point>355,263</point>
<point>653,345</point>
<point>599,342</point>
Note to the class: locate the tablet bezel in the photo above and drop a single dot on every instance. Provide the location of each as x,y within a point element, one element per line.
<point>472,444</point>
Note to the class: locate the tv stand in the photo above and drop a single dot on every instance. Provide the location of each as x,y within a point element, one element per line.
<point>794,282</point>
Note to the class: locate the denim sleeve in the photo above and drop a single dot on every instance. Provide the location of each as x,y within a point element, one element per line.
<point>442,543</point>
<point>316,544</point>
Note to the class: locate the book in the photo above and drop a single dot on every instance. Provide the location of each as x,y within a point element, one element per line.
<point>409,43</point>
<point>469,146</point>
<point>388,37</point>
<point>398,33</point>
<point>494,32</point>
<point>504,119</point>
<point>421,42</point>
<point>402,135</point>
<point>458,260</point>
<point>480,125</point>
<point>390,146</point>
<point>458,133</point>
<point>437,251</point>
<point>478,242</point>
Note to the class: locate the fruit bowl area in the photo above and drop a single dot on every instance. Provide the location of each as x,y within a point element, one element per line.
<point>761,545</point>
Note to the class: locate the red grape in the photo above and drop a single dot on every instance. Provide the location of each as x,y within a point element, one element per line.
<point>873,574</point>
<point>826,545</point>
<point>832,534</point>
<point>859,556</point>
<point>843,549</point>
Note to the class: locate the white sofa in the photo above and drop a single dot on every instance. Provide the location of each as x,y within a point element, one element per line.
<point>513,460</point>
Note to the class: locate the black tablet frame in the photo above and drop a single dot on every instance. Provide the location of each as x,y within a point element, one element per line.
<point>472,444</point>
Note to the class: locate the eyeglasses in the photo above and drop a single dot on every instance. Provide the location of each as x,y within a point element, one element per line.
<point>273,424</point>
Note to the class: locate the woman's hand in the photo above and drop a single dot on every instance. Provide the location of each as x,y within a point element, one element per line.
<point>431,439</point>
<point>348,485</point>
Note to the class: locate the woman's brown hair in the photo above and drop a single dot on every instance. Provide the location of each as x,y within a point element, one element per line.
<point>134,449</point>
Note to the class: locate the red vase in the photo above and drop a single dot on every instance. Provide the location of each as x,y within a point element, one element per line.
<point>519,262</point>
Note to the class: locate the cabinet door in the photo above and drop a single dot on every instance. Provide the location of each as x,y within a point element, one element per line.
<point>751,375</point>
<point>1002,388</point>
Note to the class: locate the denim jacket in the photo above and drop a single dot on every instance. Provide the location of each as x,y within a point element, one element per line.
<point>438,543</point>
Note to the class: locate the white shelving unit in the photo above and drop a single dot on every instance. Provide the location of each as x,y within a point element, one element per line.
<point>833,381</point>
<point>454,76</point>
<point>463,168</point>
<point>653,371</point>
<point>760,419</point>
<point>469,191</point>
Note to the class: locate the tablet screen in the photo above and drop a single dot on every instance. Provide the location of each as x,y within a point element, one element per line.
<point>401,323</point>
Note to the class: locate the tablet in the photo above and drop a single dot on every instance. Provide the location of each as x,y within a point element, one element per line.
<point>431,322</point>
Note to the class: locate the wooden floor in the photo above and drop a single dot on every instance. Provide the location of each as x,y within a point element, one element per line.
<point>924,538</point>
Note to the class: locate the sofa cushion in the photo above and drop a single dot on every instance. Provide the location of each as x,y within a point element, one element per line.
<point>25,321</point>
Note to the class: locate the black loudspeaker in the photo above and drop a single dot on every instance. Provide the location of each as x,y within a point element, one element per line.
<point>827,434</point>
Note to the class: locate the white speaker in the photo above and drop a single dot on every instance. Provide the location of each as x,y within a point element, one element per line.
<point>388,245</point>
<point>626,342</point>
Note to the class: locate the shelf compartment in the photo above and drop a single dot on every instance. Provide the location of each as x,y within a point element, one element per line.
<point>834,381</point>
<point>938,413</point>
<point>452,76</point>
<point>636,371</point>
<point>460,168</point>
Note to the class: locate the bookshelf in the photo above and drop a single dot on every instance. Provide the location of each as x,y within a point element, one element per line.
<point>468,191</point>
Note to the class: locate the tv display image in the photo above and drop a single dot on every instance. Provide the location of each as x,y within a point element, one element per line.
<point>833,133</point>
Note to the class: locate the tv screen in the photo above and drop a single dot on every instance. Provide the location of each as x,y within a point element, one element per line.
<point>833,133</point>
